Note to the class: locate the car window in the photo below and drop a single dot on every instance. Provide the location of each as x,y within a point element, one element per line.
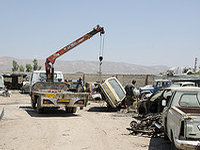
<point>159,84</point>
<point>188,85</point>
<point>118,89</point>
<point>189,100</point>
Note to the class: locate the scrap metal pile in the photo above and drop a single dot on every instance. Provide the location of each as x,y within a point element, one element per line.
<point>149,125</point>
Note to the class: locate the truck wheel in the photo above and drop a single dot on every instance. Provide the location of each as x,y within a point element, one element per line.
<point>74,109</point>
<point>39,110</point>
<point>33,103</point>
<point>70,109</point>
<point>67,109</point>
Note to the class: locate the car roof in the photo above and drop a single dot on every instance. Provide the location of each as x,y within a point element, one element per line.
<point>186,89</point>
<point>183,83</point>
<point>165,80</point>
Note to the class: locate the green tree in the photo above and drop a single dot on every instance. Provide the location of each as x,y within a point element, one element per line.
<point>21,68</point>
<point>15,66</point>
<point>28,68</point>
<point>35,65</point>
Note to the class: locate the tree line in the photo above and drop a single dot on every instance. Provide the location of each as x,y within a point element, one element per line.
<point>28,67</point>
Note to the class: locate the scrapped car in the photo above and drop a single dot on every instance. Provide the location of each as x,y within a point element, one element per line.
<point>181,118</point>
<point>153,104</point>
<point>112,92</point>
<point>147,90</point>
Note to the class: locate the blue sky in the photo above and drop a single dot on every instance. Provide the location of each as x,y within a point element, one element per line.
<point>143,32</point>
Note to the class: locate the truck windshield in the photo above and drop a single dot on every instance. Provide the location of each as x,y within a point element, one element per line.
<point>190,100</point>
<point>43,76</point>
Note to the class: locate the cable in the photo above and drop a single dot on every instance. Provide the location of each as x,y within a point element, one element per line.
<point>101,48</point>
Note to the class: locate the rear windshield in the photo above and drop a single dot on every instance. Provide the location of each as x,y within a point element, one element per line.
<point>43,77</point>
<point>190,100</point>
<point>118,89</point>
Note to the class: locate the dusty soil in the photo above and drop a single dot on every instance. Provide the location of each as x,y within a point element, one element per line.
<point>93,128</point>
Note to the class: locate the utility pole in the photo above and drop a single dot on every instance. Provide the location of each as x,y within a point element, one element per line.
<point>195,65</point>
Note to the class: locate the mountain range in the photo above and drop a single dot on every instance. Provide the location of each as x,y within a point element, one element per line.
<point>86,66</point>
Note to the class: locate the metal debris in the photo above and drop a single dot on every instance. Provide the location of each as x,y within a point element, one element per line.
<point>149,125</point>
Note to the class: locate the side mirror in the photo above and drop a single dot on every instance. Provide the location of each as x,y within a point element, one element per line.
<point>164,103</point>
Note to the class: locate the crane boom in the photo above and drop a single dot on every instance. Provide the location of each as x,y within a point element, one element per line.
<point>51,59</point>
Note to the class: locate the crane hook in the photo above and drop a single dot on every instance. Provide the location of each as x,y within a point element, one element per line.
<point>100,58</point>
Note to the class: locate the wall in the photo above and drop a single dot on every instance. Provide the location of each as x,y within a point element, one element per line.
<point>141,79</point>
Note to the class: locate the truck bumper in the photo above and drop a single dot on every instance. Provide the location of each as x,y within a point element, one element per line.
<point>187,144</point>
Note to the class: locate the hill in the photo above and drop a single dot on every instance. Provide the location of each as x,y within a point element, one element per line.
<point>86,66</point>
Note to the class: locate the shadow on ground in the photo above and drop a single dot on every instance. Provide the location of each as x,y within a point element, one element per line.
<point>47,112</point>
<point>102,109</point>
<point>159,144</point>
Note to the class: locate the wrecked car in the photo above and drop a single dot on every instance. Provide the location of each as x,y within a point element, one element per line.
<point>112,92</point>
<point>181,118</point>
<point>153,104</point>
<point>147,90</point>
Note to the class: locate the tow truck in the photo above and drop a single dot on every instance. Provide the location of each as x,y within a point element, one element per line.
<point>49,93</point>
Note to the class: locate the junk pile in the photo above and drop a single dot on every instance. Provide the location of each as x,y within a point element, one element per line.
<point>150,125</point>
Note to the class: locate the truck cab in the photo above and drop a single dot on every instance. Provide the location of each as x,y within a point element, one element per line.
<point>40,76</point>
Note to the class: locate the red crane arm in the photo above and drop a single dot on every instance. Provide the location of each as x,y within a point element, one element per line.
<point>65,49</point>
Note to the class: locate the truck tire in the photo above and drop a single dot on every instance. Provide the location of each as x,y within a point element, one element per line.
<point>33,103</point>
<point>39,110</point>
<point>71,109</point>
<point>74,109</point>
<point>67,109</point>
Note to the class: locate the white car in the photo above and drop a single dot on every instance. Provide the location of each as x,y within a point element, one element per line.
<point>183,84</point>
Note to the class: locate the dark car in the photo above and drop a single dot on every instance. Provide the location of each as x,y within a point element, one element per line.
<point>153,104</point>
<point>25,89</point>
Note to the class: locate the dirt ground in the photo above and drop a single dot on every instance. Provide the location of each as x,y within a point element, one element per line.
<point>93,128</point>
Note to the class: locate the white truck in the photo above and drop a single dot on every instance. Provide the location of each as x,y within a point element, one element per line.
<point>181,118</point>
<point>52,91</point>
<point>54,94</point>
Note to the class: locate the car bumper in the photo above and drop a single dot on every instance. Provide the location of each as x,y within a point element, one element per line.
<point>187,144</point>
